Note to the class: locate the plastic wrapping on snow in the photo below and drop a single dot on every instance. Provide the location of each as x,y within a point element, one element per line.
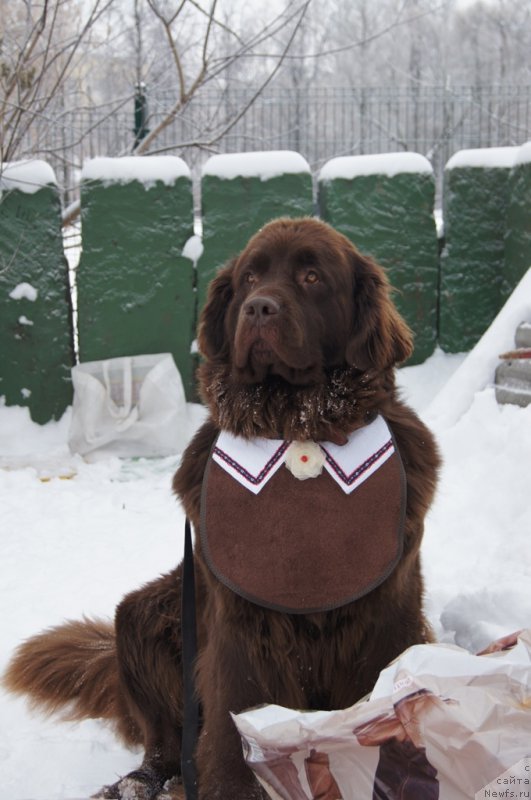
<point>440,723</point>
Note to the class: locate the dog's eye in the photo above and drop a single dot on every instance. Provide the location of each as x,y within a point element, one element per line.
<point>311,277</point>
<point>249,277</point>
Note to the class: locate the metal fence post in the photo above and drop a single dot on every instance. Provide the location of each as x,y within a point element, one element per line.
<point>141,114</point>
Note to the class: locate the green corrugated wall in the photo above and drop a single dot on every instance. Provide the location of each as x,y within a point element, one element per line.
<point>476,198</point>
<point>36,351</point>
<point>138,294</point>
<point>235,208</point>
<point>518,235</point>
<point>135,289</point>
<point>390,217</point>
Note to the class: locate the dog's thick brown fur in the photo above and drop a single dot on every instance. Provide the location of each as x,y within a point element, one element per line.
<point>300,339</point>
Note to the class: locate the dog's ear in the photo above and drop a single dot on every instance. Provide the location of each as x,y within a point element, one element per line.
<point>379,336</point>
<point>212,337</point>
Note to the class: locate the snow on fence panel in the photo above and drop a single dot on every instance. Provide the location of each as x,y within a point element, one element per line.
<point>135,288</point>
<point>476,197</point>
<point>518,234</point>
<point>384,204</point>
<point>36,328</point>
<point>240,193</point>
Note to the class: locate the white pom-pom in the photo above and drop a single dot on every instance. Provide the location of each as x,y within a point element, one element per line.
<point>305,460</point>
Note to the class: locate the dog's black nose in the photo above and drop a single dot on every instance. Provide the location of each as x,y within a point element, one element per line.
<point>260,309</point>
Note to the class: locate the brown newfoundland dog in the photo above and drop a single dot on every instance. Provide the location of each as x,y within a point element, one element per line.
<point>304,597</point>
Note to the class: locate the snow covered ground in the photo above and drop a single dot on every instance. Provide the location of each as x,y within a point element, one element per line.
<point>76,536</point>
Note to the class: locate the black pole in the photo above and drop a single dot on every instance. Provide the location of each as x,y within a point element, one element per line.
<point>141,114</point>
<point>189,653</point>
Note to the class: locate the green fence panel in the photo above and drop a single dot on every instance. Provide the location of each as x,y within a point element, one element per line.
<point>36,351</point>
<point>384,205</point>
<point>240,193</point>
<point>135,288</point>
<point>475,201</point>
<point>518,234</point>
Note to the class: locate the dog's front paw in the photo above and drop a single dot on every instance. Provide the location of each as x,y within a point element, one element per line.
<point>137,785</point>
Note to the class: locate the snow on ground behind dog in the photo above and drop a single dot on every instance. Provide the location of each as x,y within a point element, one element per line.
<point>76,536</point>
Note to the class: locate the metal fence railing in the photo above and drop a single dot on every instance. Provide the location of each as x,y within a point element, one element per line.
<point>318,122</point>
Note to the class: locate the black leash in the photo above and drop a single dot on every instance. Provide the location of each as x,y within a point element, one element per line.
<point>189,653</point>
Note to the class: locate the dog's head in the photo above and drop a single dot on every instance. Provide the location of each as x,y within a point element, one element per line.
<point>299,301</point>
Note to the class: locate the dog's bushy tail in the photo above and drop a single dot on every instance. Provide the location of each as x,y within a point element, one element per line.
<point>73,669</point>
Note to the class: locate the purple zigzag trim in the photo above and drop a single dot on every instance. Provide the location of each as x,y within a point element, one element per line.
<point>247,475</point>
<point>349,479</point>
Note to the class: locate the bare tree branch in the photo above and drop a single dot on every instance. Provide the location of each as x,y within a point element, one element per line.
<point>216,22</point>
<point>15,125</point>
<point>268,80</point>
<point>27,48</point>
<point>207,35</point>
<point>167,23</point>
<point>398,22</point>
<point>204,75</point>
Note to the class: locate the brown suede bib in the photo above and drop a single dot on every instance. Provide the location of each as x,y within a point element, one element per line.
<point>301,546</point>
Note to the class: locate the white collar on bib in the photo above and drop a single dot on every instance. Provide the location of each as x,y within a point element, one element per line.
<point>253,462</point>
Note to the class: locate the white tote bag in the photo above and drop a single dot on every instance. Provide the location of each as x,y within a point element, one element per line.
<point>131,406</point>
